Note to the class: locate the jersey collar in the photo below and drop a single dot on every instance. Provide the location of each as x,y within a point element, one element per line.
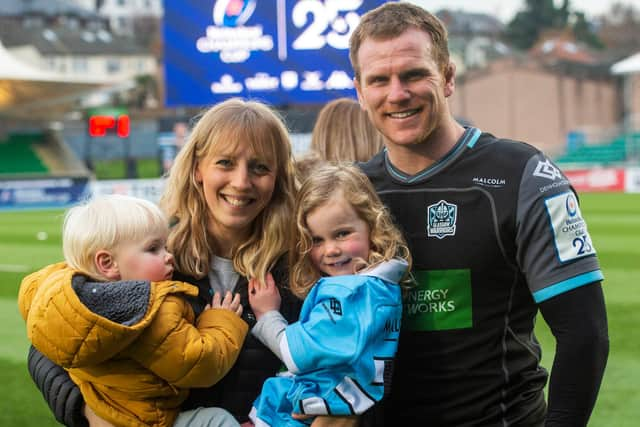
<point>467,140</point>
<point>391,271</point>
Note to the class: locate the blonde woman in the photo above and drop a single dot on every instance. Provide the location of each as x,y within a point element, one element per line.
<point>229,198</point>
<point>343,132</point>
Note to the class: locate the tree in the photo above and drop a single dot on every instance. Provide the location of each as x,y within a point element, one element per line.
<point>620,29</point>
<point>583,31</point>
<point>540,15</point>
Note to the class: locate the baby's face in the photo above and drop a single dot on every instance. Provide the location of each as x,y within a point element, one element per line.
<point>147,259</point>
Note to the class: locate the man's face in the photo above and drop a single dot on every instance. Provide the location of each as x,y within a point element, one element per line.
<point>402,87</point>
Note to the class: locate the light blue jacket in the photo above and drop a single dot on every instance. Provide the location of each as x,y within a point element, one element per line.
<point>337,352</point>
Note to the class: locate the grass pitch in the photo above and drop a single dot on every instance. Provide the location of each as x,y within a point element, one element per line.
<point>30,240</point>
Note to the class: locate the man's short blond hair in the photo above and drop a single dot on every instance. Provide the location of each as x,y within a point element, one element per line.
<point>391,20</point>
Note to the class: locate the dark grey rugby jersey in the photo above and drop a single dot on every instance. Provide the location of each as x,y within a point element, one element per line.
<point>493,227</point>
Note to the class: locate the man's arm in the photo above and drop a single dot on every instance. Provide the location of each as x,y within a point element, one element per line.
<point>62,394</point>
<point>578,321</point>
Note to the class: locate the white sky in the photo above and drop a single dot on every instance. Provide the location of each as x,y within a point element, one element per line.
<point>505,9</point>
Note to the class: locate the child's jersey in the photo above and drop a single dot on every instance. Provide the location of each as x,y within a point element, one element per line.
<point>339,350</point>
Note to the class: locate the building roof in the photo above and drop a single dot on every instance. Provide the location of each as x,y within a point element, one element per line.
<point>459,22</point>
<point>562,46</point>
<point>630,65</point>
<point>43,7</point>
<point>25,89</point>
<point>56,40</point>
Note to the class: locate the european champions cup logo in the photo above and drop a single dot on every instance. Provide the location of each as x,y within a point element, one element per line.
<point>571,205</point>
<point>233,13</point>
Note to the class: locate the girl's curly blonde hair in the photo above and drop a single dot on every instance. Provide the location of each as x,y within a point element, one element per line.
<point>327,181</point>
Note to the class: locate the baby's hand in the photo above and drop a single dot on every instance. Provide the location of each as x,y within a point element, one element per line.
<point>263,298</point>
<point>228,303</point>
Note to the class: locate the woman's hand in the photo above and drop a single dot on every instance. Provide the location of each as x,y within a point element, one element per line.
<point>327,421</point>
<point>263,298</point>
<point>228,303</point>
<point>94,420</point>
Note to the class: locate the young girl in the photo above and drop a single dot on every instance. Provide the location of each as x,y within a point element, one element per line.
<point>348,263</point>
<point>124,330</point>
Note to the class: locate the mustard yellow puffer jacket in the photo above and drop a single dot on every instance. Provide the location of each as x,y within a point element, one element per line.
<point>132,347</point>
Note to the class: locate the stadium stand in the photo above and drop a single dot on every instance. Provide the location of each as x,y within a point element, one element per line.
<point>37,153</point>
<point>613,152</point>
<point>18,155</point>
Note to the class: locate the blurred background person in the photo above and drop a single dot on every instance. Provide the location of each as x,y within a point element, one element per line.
<point>342,133</point>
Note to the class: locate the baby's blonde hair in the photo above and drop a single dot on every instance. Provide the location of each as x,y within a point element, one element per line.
<point>104,223</point>
<point>327,181</point>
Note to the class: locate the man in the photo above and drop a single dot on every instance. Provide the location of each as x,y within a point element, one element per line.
<point>496,234</point>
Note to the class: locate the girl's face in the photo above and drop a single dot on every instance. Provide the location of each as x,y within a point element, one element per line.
<point>340,237</point>
<point>238,185</point>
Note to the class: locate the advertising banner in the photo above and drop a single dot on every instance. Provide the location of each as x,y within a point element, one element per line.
<point>597,180</point>
<point>150,189</point>
<point>632,180</point>
<point>277,51</point>
<point>42,193</point>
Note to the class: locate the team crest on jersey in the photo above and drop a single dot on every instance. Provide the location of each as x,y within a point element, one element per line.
<point>441,219</point>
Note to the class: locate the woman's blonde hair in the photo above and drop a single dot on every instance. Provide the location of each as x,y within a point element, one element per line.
<point>344,133</point>
<point>223,127</point>
<point>327,181</point>
<point>104,223</point>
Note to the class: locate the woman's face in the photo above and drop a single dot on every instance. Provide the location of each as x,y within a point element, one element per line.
<point>238,185</point>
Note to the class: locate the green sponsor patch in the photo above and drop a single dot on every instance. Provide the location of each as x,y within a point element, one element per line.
<point>440,300</point>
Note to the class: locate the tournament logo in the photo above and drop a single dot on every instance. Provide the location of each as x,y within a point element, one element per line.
<point>233,13</point>
<point>571,205</point>
<point>235,41</point>
<point>441,219</point>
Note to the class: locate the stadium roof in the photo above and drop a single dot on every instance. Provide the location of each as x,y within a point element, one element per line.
<point>26,91</point>
<point>628,65</point>
<point>44,7</point>
<point>60,40</point>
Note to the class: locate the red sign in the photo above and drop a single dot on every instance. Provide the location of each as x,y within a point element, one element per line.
<point>99,125</point>
<point>592,180</point>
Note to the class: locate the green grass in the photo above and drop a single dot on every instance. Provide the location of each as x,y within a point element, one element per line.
<point>21,252</point>
<point>117,169</point>
<point>614,224</point>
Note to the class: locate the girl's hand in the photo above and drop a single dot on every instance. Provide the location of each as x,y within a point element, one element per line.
<point>263,298</point>
<point>228,303</point>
